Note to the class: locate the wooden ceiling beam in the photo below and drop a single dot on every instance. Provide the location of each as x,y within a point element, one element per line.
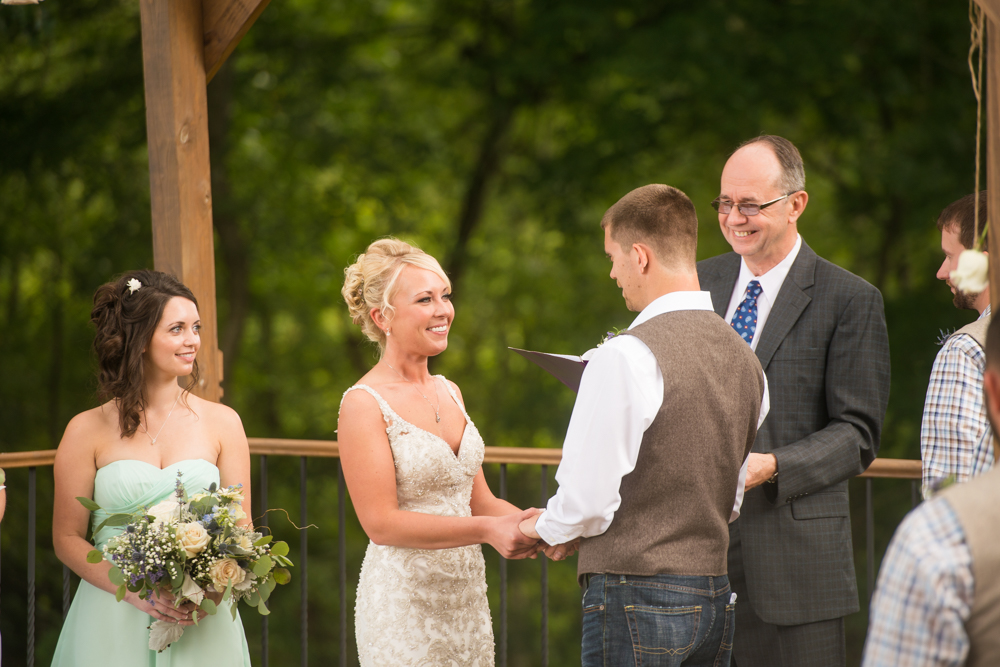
<point>225,24</point>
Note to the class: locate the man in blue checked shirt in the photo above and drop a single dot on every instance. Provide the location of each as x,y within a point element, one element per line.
<point>955,439</point>
<point>937,601</point>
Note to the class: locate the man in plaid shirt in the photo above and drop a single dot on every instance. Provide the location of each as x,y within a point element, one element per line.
<point>955,438</point>
<point>935,605</point>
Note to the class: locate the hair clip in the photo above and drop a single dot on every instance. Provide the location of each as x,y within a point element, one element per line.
<point>133,285</point>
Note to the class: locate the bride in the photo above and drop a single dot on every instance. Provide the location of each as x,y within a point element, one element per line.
<point>413,464</point>
<point>126,454</point>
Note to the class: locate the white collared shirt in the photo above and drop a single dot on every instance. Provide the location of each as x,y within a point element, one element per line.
<point>770,285</point>
<point>620,394</point>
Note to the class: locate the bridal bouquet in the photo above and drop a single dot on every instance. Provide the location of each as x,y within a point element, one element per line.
<point>192,546</point>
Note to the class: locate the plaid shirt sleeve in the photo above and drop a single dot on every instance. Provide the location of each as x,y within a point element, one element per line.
<point>955,431</point>
<point>924,594</point>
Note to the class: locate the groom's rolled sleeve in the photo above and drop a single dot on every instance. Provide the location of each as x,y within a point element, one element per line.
<point>620,394</point>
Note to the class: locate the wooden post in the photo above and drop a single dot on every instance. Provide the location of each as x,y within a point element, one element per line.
<point>991,82</point>
<point>179,173</point>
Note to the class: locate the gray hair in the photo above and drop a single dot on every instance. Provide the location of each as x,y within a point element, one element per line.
<point>793,173</point>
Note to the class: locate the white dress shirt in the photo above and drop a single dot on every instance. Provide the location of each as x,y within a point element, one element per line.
<point>770,285</point>
<point>620,394</point>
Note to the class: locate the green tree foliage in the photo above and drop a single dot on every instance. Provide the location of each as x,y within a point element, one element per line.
<point>494,134</point>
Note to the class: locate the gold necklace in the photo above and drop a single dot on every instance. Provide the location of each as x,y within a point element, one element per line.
<point>437,413</point>
<point>143,426</point>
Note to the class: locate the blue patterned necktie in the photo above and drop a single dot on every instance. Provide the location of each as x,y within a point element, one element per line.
<point>745,317</point>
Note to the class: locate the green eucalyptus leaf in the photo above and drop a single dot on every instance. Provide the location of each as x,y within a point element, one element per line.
<point>176,571</point>
<point>88,503</point>
<point>262,608</point>
<point>116,576</point>
<point>279,549</point>
<point>281,575</point>
<point>253,599</point>
<point>262,567</point>
<point>232,610</point>
<point>120,593</point>
<point>95,556</point>
<point>208,605</point>
<point>266,539</point>
<point>115,520</point>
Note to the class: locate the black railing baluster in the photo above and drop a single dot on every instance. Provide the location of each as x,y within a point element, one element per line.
<point>503,579</point>
<point>342,561</point>
<point>31,566</point>
<point>304,559</point>
<point>870,538</point>
<point>545,577</point>
<point>66,592</point>
<point>263,523</point>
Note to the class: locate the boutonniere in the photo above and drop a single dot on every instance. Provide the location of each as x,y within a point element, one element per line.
<point>943,336</point>
<point>615,331</point>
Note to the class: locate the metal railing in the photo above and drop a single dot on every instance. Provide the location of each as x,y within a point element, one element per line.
<point>306,449</point>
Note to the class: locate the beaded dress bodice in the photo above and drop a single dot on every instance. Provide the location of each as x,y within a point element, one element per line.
<point>426,606</point>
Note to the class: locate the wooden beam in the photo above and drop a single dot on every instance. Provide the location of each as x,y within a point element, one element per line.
<point>880,468</point>
<point>179,172</point>
<point>991,8</point>
<point>991,81</point>
<point>226,22</point>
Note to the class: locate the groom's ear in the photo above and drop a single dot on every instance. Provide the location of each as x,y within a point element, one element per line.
<point>643,256</point>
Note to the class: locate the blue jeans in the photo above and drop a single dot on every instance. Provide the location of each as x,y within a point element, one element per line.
<point>664,620</point>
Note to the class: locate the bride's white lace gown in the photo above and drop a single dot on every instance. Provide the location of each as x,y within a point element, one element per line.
<point>426,607</point>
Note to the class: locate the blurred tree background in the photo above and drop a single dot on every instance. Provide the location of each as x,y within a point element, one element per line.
<point>494,134</point>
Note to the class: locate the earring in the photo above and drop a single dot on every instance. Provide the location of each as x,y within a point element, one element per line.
<point>388,332</point>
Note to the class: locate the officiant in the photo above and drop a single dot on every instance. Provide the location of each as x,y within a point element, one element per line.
<point>665,417</point>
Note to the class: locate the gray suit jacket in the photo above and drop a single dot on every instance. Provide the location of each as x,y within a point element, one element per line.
<point>825,351</point>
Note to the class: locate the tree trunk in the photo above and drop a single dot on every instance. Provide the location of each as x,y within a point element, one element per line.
<point>475,195</point>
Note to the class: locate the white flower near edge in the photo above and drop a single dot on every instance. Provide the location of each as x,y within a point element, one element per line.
<point>191,590</point>
<point>165,511</point>
<point>972,275</point>
<point>133,285</point>
<point>162,634</point>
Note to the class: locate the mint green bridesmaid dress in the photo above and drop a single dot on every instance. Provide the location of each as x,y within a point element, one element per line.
<point>102,632</point>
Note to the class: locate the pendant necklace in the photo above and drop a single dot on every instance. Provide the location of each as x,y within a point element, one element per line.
<point>437,413</point>
<point>153,438</point>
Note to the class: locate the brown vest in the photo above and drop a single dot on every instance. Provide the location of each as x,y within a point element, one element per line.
<point>977,504</point>
<point>977,330</point>
<point>675,508</point>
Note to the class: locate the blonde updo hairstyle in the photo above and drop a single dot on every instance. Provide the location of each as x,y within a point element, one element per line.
<point>370,282</point>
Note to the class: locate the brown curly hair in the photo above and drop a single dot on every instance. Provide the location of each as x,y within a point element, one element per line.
<point>125,322</point>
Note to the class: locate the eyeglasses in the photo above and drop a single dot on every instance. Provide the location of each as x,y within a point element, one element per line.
<point>725,207</point>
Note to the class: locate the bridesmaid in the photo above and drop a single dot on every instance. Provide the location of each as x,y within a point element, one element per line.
<point>126,454</point>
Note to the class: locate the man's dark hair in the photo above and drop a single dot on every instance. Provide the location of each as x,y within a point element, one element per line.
<point>961,215</point>
<point>793,172</point>
<point>660,216</point>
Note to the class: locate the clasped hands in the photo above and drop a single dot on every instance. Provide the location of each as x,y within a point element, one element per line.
<point>552,551</point>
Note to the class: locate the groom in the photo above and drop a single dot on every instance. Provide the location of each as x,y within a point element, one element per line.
<point>664,419</point>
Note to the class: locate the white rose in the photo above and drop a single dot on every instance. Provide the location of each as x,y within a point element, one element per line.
<point>973,273</point>
<point>165,511</point>
<point>193,538</point>
<point>226,570</point>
